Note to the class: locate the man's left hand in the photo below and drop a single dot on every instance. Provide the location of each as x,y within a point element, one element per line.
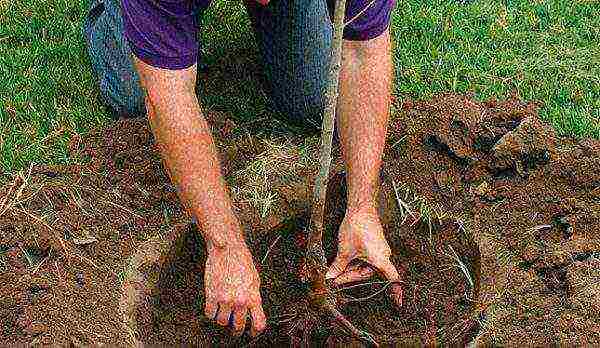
<point>361,237</point>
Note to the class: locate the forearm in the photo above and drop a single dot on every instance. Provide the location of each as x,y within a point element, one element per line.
<point>363,112</point>
<point>190,156</point>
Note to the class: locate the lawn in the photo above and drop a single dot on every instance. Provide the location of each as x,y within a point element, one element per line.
<point>542,50</point>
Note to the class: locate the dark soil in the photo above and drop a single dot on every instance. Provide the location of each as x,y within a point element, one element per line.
<point>488,184</point>
<point>438,304</point>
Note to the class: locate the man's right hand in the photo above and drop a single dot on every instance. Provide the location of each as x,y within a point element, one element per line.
<point>232,288</point>
<point>186,144</point>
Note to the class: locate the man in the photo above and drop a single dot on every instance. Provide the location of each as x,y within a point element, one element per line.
<point>294,37</point>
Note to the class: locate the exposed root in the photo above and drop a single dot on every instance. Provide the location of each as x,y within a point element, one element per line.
<point>340,319</point>
<point>361,299</point>
<point>360,285</point>
<point>323,306</point>
<point>323,298</point>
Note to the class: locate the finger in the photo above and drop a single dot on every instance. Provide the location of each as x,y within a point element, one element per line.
<point>210,309</point>
<point>386,267</point>
<point>337,266</point>
<point>223,315</point>
<point>259,322</point>
<point>397,293</point>
<point>355,274</point>
<point>239,320</point>
<point>352,270</point>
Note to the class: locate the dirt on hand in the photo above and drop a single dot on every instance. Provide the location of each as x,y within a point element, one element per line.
<point>492,218</point>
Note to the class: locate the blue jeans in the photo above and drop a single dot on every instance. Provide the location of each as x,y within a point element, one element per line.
<point>293,36</point>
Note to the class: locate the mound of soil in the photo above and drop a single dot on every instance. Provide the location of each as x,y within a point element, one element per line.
<point>531,201</point>
<point>492,218</point>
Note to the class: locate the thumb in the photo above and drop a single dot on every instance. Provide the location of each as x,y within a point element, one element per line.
<point>337,266</point>
<point>386,267</point>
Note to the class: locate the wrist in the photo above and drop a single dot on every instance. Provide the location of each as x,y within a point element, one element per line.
<point>219,232</point>
<point>226,244</point>
<point>224,237</point>
<point>361,208</point>
<point>230,250</point>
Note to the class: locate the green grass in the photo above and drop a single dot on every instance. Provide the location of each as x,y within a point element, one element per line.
<point>47,90</point>
<point>543,50</point>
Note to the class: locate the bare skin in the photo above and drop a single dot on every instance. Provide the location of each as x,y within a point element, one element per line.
<point>231,280</point>
<point>363,113</point>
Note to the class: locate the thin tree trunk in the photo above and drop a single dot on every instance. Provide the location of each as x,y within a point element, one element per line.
<point>321,296</point>
<point>316,261</point>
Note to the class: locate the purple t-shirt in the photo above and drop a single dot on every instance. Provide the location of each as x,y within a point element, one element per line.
<point>163,33</point>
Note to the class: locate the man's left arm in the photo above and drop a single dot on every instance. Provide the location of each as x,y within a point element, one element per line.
<point>362,115</point>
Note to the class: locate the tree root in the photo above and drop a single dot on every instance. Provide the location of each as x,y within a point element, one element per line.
<point>318,307</point>
<point>321,296</point>
<point>324,300</point>
<point>341,320</point>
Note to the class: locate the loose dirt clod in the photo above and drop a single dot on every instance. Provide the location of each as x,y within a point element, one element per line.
<point>492,218</point>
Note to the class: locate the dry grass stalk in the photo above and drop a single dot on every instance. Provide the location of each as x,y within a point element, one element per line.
<point>121,207</point>
<point>403,207</point>
<point>461,266</point>
<point>269,250</point>
<point>12,197</point>
<point>281,161</point>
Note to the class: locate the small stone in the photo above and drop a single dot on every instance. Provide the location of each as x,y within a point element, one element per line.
<point>85,240</point>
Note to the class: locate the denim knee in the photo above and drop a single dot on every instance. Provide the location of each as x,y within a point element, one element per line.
<point>299,100</point>
<point>110,57</point>
<point>294,38</point>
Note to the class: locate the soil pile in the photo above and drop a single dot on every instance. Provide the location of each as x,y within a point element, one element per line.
<point>492,218</point>
<point>532,203</point>
<point>66,232</point>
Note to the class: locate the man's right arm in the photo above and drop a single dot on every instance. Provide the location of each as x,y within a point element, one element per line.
<point>163,37</point>
<point>190,156</point>
<point>188,151</point>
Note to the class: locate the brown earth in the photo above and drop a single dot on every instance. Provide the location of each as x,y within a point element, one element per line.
<point>485,186</point>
